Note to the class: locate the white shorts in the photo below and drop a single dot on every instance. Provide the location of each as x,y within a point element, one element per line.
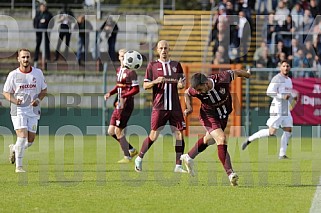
<point>23,122</point>
<point>279,121</point>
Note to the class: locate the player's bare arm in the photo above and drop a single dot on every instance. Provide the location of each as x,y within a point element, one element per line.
<point>10,97</point>
<point>41,96</point>
<point>242,73</point>
<point>188,102</point>
<point>148,85</point>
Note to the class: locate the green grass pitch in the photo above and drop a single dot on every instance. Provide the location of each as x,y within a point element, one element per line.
<point>81,174</point>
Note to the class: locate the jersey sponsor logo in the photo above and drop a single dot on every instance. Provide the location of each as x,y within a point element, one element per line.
<point>28,86</point>
<point>222,90</point>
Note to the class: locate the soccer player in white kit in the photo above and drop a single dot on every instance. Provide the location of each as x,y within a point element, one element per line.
<point>24,88</point>
<point>280,89</point>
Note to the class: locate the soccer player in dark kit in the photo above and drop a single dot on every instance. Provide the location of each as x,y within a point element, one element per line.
<point>164,77</point>
<point>214,93</point>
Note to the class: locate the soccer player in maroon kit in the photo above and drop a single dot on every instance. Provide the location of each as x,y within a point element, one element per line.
<point>164,77</point>
<point>214,93</point>
<point>126,87</point>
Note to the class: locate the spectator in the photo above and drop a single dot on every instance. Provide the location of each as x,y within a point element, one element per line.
<point>264,7</point>
<point>315,10</point>
<point>243,36</point>
<point>297,14</point>
<point>111,29</point>
<point>84,27</point>
<point>287,27</point>
<point>281,13</point>
<point>270,28</point>
<point>42,22</point>
<point>66,18</point>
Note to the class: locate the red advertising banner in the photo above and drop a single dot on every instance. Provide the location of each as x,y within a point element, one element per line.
<point>308,108</point>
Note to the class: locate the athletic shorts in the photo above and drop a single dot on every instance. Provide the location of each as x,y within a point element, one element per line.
<point>279,121</point>
<point>211,123</point>
<point>24,122</point>
<point>120,117</point>
<point>160,117</point>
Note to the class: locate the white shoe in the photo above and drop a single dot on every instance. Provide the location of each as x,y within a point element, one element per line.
<point>138,164</point>
<point>179,169</point>
<point>233,177</point>
<point>12,156</point>
<point>189,163</point>
<point>20,170</point>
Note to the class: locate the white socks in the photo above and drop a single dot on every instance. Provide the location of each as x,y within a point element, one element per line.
<point>28,144</point>
<point>284,142</point>
<point>19,150</point>
<point>259,134</point>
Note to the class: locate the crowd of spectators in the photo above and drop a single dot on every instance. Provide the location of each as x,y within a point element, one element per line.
<point>291,30</point>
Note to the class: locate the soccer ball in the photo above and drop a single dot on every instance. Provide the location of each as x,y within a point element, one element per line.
<point>133,60</point>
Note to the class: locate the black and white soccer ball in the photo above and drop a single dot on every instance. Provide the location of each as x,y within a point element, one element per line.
<point>133,60</point>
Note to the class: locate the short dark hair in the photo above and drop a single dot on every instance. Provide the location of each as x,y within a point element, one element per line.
<point>284,61</point>
<point>198,79</point>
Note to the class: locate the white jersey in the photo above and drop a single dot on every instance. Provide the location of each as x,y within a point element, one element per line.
<point>25,86</point>
<point>280,86</point>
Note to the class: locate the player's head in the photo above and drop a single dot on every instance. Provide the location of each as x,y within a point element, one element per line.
<point>163,50</point>
<point>121,54</point>
<point>24,56</point>
<point>285,68</point>
<point>199,82</point>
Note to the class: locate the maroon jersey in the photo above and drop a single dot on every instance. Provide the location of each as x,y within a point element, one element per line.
<point>126,79</point>
<point>165,95</point>
<point>217,101</point>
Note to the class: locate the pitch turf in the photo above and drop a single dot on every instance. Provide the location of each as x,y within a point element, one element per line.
<point>80,174</point>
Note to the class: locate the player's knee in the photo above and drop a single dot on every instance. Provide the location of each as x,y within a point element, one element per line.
<point>221,140</point>
<point>210,142</point>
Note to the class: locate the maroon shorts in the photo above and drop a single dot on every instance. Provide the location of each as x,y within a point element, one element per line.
<point>211,123</point>
<point>160,118</point>
<point>120,117</point>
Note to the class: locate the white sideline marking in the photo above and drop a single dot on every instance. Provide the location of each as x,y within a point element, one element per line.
<point>316,203</point>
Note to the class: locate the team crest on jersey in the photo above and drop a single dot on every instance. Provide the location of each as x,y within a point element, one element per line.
<point>222,90</point>
<point>174,69</point>
<point>34,79</point>
<point>124,75</point>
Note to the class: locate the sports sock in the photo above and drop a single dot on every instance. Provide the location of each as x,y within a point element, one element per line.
<point>284,142</point>
<point>224,157</point>
<point>146,145</point>
<point>199,147</point>
<point>19,150</point>
<point>179,150</point>
<point>28,144</point>
<point>114,136</point>
<point>259,134</point>
<point>124,146</point>
<point>129,145</point>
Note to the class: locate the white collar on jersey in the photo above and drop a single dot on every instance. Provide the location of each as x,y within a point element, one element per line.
<point>167,62</point>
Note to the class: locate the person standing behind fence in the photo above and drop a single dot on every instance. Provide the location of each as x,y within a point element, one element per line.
<point>24,88</point>
<point>42,22</point>
<point>111,29</point>
<point>66,18</point>
<point>84,26</point>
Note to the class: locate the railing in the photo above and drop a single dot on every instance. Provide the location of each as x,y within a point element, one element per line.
<point>13,39</point>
